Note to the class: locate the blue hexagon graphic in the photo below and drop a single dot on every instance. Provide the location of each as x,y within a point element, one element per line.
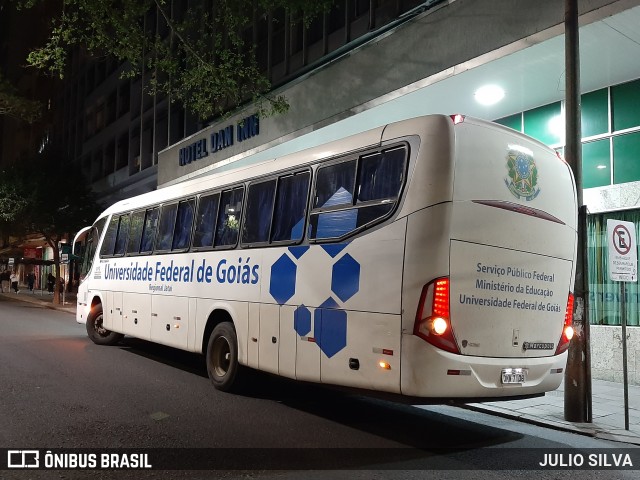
<point>330,328</point>
<point>283,279</point>
<point>345,278</point>
<point>302,321</point>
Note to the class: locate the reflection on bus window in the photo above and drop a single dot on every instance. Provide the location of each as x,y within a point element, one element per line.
<point>259,208</point>
<point>135,232</point>
<point>149,230</point>
<point>184,221</point>
<point>123,235</point>
<point>229,218</point>
<point>206,221</point>
<point>167,222</point>
<point>291,207</point>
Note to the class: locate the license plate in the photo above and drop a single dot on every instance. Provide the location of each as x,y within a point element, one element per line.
<point>513,375</point>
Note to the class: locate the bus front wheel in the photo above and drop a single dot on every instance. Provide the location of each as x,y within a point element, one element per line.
<point>96,330</point>
<point>222,357</point>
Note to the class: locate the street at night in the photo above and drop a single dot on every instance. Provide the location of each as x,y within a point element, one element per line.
<point>60,391</point>
<point>319,239</point>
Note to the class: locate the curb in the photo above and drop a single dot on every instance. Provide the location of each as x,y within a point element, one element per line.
<point>68,307</point>
<point>592,432</point>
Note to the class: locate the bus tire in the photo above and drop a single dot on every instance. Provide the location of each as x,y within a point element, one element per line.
<point>96,331</point>
<point>222,357</point>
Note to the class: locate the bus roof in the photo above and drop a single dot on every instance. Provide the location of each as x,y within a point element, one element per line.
<point>298,159</point>
<point>241,174</point>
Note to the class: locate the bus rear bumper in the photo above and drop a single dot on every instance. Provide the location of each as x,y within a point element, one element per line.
<point>433,373</point>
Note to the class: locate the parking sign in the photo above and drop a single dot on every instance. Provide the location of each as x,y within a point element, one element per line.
<point>623,255</point>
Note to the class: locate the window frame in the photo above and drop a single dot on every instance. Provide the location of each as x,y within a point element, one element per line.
<point>277,177</point>
<point>245,206</point>
<point>208,193</point>
<point>115,236</point>
<point>162,206</point>
<point>231,188</point>
<point>148,209</point>
<point>173,239</point>
<point>144,216</point>
<point>115,244</point>
<point>293,173</point>
<point>358,156</point>
<point>312,169</point>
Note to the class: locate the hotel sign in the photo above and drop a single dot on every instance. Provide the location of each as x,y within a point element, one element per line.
<point>223,138</point>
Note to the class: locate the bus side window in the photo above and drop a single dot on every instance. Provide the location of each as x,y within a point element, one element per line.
<point>339,211</point>
<point>335,186</point>
<point>206,221</point>
<point>257,222</point>
<point>123,235</point>
<point>149,230</point>
<point>109,241</point>
<point>381,175</point>
<point>167,223</point>
<point>184,222</point>
<point>229,218</point>
<point>291,208</point>
<point>135,232</point>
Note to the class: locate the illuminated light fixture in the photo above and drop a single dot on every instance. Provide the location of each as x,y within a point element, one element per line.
<point>569,332</point>
<point>555,126</point>
<point>489,95</point>
<point>439,325</point>
<point>384,365</point>
<point>600,167</point>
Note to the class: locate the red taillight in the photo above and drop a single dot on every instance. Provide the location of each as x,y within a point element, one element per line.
<point>567,329</point>
<point>457,118</point>
<point>432,318</point>
<point>441,298</point>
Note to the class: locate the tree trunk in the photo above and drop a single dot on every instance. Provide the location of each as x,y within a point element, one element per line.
<point>53,243</point>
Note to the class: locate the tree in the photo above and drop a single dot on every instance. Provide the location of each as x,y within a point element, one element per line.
<point>14,105</point>
<point>201,57</point>
<point>45,196</point>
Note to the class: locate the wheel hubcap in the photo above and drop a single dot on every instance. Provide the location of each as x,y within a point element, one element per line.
<point>99,328</point>
<point>221,356</point>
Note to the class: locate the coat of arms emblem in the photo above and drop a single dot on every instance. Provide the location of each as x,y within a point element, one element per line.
<point>522,181</point>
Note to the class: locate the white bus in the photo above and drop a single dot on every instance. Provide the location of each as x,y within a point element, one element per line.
<point>432,258</point>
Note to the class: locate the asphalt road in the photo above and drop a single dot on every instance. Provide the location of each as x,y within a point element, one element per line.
<point>60,391</point>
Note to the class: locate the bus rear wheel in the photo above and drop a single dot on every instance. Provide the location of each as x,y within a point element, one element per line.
<point>96,330</point>
<point>222,357</point>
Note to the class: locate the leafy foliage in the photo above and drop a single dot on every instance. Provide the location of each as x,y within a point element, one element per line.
<point>45,197</point>
<point>14,105</point>
<point>200,56</point>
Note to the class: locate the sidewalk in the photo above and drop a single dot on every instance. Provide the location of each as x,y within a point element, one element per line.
<point>547,411</point>
<point>43,298</point>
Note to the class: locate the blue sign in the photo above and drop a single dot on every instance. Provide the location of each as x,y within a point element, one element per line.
<point>246,128</point>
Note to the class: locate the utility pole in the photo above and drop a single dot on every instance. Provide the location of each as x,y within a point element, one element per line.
<point>577,379</point>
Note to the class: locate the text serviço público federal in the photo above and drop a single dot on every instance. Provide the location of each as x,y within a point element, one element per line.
<point>515,272</point>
